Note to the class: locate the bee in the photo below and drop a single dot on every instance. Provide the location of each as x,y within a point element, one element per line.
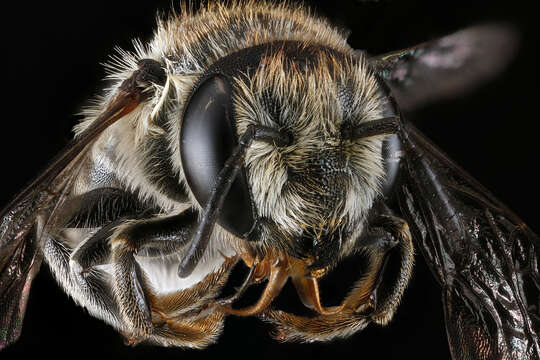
<point>237,144</point>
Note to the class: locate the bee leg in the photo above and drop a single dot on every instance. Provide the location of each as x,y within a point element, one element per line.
<point>192,332</point>
<point>294,328</point>
<point>394,271</point>
<point>96,293</point>
<point>150,237</point>
<point>373,298</point>
<point>378,242</point>
<point>154,237</point>
<point>92,252</point>
<point>104,208</point>
<point>182,321</point>
<point>117,243</point>
<point>248,281</point>
<point>98,207</point>
<point>194,300</point>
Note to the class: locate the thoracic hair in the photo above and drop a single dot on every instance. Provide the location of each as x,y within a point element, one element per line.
<point>310,102</point>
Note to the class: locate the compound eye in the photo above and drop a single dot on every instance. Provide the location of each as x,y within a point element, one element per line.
<point>391,150</point>
<point>207,139</point>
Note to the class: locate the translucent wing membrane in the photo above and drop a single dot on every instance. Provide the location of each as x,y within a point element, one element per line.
<point>446,67</point>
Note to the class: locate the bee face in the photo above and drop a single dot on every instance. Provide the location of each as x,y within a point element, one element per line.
<point>319,187</point>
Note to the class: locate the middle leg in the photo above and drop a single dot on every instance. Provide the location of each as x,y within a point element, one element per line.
<point>118,243</point>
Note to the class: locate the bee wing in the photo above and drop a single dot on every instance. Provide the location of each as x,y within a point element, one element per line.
<point>448,66</point>
<point>17,270</point>
<point>484,257</point>
<point>22,221</point>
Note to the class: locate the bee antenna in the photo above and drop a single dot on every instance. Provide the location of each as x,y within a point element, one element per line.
<point>384,126</point>
<point>221,188</point>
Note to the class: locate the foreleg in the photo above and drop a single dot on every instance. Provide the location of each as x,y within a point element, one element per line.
<point>373,298</point>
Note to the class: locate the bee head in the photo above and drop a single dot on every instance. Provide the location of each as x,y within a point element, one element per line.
<point>311,196</point>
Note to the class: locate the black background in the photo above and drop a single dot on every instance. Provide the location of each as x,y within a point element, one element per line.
<point>54,52</point>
